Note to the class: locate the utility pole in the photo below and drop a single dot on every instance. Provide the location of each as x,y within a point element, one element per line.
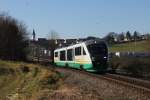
<point>135,44</point>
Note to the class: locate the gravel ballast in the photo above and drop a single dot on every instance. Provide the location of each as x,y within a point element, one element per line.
<point>78,86</point>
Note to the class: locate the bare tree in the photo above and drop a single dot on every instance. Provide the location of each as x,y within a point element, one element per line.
<point>53,35</point>
<point>13,38</point>
<point>121,37</point>
<point>53,44</point>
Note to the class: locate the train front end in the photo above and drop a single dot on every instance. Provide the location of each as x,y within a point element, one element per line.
<point>99,55</point>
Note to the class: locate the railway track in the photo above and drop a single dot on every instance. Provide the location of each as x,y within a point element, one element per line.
<point>139,82</point>
<point>141,86</point>
<point>138,85</point>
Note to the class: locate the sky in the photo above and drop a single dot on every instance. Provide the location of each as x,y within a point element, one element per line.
<point>80,18</point>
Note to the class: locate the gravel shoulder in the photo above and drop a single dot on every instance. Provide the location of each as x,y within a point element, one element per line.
<point>78,86</point>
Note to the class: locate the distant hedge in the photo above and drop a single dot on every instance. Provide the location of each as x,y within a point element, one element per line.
<point>138,67</point>
<point>13,38</point>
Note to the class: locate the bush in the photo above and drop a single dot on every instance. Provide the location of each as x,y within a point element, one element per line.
<point>6,71</point>
<point>25,69</point>
<point>138,67</point>
<point>50,80</point>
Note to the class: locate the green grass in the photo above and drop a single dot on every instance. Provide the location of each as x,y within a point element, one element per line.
<point>18,84</point>
<point>139,46</point>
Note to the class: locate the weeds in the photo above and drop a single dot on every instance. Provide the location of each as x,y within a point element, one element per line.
<point>35,71</point>
<point>22,80</point>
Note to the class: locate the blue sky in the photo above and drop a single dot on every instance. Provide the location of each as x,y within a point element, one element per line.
<point>80,18</point>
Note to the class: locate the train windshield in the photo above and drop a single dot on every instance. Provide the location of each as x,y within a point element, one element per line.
<point>97,49</point>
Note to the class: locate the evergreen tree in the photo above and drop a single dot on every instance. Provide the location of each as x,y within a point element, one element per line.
<point>128,35</point>
<point>135,35</point>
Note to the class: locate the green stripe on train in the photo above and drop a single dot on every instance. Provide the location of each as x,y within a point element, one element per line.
<point>74,65</point>
<point>87,67</point>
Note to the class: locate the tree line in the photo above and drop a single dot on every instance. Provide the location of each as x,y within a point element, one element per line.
<point>113,37</point>
<point>13,38</point>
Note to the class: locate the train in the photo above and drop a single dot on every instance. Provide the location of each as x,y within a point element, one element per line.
<point>91,56</point>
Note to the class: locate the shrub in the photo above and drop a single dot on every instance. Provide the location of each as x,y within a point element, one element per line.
<point>50,80</point>
<point>35,71</point>
<point>139,67</point>
<point>24,69</point>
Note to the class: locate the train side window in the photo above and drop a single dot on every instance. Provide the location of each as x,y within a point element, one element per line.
<point>62,55</point>
<point>78,51</point>
<point>84,52</point>
<point>69,55</point>
<point>56,54</point>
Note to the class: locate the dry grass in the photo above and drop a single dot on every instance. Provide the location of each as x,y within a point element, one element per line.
<point>31,82</point>
<point>22,81</point>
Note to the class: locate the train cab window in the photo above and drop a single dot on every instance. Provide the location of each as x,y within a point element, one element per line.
<point>62,55</point>
<point>56,54</point>
<point>97,49</point>
<point>84,52</point>
<point>77,51</point>
<point>69,55</point>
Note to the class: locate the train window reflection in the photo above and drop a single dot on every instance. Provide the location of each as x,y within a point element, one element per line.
<point>69,55</point>
<point>62,55</point>
<point>97,49</point>
<point>78,51</point>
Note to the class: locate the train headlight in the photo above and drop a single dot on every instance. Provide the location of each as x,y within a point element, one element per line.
<point>105,57</point>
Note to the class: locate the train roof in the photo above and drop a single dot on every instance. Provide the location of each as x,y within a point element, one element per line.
<point>95,41</point>
<point>88,42</point>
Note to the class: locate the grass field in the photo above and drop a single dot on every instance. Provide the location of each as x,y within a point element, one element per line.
<point>138,46</point>
<point>22,81</point>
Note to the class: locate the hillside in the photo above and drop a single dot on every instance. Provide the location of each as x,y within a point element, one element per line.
<point>138,46</point>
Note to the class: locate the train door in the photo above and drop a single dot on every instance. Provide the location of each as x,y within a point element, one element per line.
<point>81,57</point>
<point>56,57</point>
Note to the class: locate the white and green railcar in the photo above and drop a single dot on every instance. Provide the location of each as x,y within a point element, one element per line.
<point>90,56</point>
